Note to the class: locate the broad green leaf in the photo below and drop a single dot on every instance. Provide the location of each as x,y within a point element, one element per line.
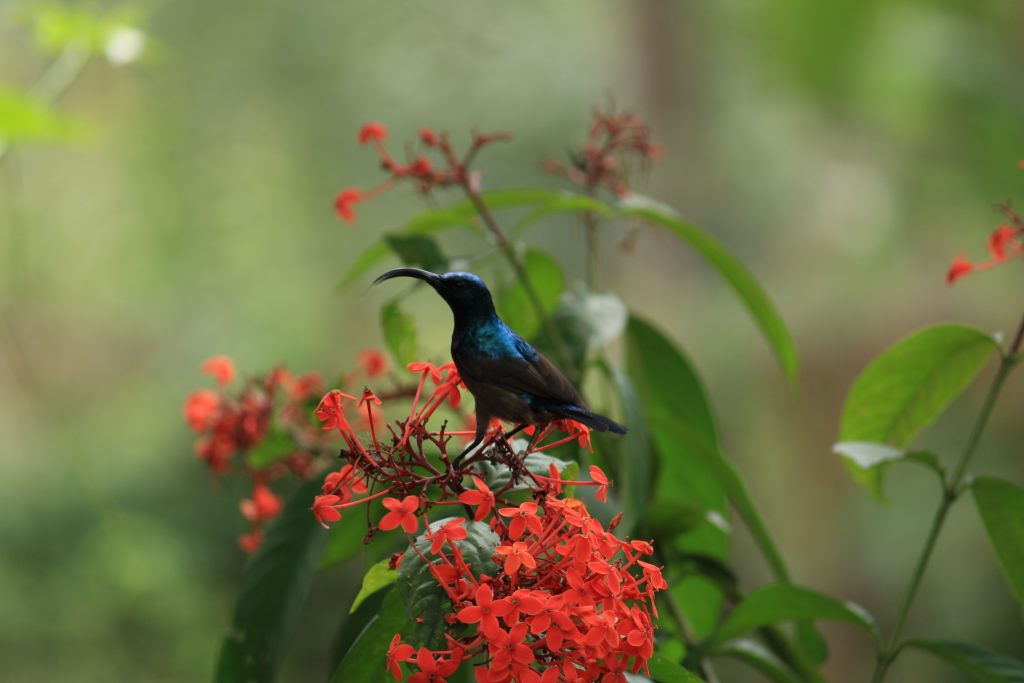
<point>352,626</point>
<point>421,251</point>
<point>633,470</point>
<point>981,665</point>
<point>366,659</point>
<point>274,587</point>
<point>672,518</point>
<point>23,119</point>
<point>346,541</point>
<point>734,272</point>
<point>515,305</point>
<point>761,658</point>
<point>1001,505</point>
<point>869,456</point>
<point>399,333</point>
<point>905,388</point>
<point>672,394</point>
<point>275,446</point>
<point>426,602</point>
<point>566,203</point>
<point>780,602</point>
<point>665,671</point>
<point>377,577</point>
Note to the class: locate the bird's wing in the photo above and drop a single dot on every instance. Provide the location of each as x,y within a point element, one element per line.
<point>529,373</point>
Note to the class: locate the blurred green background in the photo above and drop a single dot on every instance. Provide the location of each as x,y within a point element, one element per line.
<point>844,150</point>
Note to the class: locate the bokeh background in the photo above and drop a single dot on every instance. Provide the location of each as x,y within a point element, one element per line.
<point>844,150</point>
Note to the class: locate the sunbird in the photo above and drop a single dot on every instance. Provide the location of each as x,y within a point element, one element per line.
<point>509,379</point>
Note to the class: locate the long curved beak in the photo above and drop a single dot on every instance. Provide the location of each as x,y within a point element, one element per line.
<point>431,279</point>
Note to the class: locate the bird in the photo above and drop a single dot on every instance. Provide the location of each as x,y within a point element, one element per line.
<point>509,379</point>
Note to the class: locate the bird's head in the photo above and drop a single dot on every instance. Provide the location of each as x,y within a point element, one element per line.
<point>465,293</point>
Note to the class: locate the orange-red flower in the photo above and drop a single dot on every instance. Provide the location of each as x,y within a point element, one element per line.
<point>372,131</point>
<point>516,555</point>
<point>262,506</point>
<point>221,367</point>
<point>485,611</point>
<point>373,362</point>
<point>598,475</point>
<point>523,517</point>
<point>324,511</point>
<point>482,497</point>
<point>344,201</point>
<point>433,670</point>
<point>402,513</point>
<point>201,409</point>
<point>398,652</point>
<point>251,541</point>
<point>451,531</point>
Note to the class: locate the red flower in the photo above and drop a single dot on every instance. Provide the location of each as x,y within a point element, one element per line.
<point>263,505</point>
<point>332,413</point>
<point>344,201</point>
<point>1000,238</point>
<point>372,131</point>
<point>451,531</point>
<point>510,647</point>
<point>522,517</point>
<point>516,555</point>
<point>960,267</point>
<point>428,137</point>
<point>324,511</point>
<point>374,363</point>
<point>220,367</point>
<point>598,475</point>
<point>403,513</point>
<point>251,541</point>
<point>422,367</point>
<point>485,611</point>
<point>522,601</point>
<point>369,397</point>
<point>482,497</point>
<point>433,670</point>
<point>398,652</point>
<point>420,166</point>
<point>201,408</point>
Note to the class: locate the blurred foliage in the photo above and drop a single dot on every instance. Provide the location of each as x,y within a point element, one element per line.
<point>844,151</point>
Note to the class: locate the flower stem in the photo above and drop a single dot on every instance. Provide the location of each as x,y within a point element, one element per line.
<point>951,492</point>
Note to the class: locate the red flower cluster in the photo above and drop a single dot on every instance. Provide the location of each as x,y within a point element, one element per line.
<point>614,144</point>
<point>418,168</point>
<point>1004,243</point>
<point>569,602</point>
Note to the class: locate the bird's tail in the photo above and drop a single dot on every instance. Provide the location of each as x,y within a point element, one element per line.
<point>599,423</point>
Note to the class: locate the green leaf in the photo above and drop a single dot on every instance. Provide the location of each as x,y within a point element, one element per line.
<point>633,470</point>
<point>672,518</point>
<point>665,671</point>
<point>275,446</point>
<point>546,277</point>
<point>981,665</point>
<point>274,587</point>
<point>399,333</point>
<point>869,456</point>
<point>498,475</point>
<point>566,202</point>
<point>420,251</point>
<point>1001,506</point>
<point>377,577</point>
<point>23,119</point>
<point>367,658</point>
<point>783,602</point>
<point>734,272</point>
<point>345,542</point>
<point>352,626</point>
<point>905,388</point>
<point>761,658</point>
<point>426,602</point>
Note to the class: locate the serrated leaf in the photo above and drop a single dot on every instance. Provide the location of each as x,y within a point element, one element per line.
<point>426,602</point>
<point>274,587</point>
<point>377,577</point>
<point>399,333</point>
<point>274,446</point>
<point>780,602</point>
<point>729,267</point>
<point>514,304</point>
<point>366,659</point>
<point>1001,506</point>
<point>909,385</point>
<point>981,665</point>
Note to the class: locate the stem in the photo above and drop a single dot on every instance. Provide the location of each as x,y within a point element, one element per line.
<point>950,494</point>
<point>560,348</point>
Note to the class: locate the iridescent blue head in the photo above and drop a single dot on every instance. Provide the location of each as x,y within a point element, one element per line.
<point>465,293</point>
